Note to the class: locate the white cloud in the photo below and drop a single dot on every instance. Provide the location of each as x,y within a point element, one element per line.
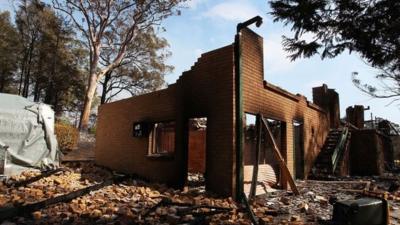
<point>192,4</point>
<point>275,57</point>
<point>236,11</point>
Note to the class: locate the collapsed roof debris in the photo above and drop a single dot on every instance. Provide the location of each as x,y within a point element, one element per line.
<point>134,201</point>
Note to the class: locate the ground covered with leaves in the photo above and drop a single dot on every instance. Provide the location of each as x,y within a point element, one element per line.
<point>133,201</point>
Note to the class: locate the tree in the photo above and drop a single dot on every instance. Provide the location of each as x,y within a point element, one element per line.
<point>29,21</point>
<point>8,53</point>
<point>143,70</point>
<point>108,27</point>
<point>368,27</point>
<point>41,58</point>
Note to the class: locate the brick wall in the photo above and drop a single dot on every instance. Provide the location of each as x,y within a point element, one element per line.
<point>396,147</point>
<point>355,115</point>
<point>197,151</point>
<point>207,90</point>
<point>116,148</point>
<point>276,103</point>
<point>366,145</point>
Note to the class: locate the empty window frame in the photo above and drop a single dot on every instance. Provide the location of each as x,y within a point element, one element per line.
<point>162,138</point>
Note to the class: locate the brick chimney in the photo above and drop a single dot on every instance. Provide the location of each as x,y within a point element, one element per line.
<point>328,99</point>
<point>355,115</point>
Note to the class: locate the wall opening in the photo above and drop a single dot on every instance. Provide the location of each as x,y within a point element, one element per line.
<point>278,129</point>
<point>162,138</point>
<point>197,145</point>
<point>298,149</point>
<point>269,174</point>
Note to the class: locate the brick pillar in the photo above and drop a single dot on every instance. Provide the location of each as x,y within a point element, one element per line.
<point>328,99</point>
<point>355,115</point>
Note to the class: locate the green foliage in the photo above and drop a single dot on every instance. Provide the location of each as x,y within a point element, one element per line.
<point>41,57</point>
<point>67,136</point>
<point>111,31</point>
<point>143,70</point>
<point>368,27</point>
<point>49,62</point>
<point>47,54</point>
<point>9,47</point>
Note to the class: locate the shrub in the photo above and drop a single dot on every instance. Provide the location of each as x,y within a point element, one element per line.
<point>67,136</point>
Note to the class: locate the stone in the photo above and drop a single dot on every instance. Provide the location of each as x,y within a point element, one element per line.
<point>154,194</point>
<point>172,210</point>
<point>58,181</point>
<point>96,213</point>
<point>285,200</point>
<point>322,200</point>
<point>295,218</point>
<point>303,207</point>
<point>173,219</point>
<point>266,220</point>
<point>37,215</point>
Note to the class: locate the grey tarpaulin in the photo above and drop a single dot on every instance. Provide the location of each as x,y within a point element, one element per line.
<point>27,138</point>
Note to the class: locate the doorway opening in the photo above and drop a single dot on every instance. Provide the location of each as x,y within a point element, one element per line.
<point>298,149</point>
<point>197,145</point>
<point>278,129</point>
<point>269,175</point>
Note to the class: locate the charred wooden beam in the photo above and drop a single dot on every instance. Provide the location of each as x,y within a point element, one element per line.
<point>34,179</point>
<point>281,161</point>
<point>253,217</point>
<point>257,158</point>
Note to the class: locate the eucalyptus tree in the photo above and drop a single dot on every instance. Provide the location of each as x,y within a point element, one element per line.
<point>108,27</point>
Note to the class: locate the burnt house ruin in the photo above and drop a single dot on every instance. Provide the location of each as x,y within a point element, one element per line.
<point>193,126</point>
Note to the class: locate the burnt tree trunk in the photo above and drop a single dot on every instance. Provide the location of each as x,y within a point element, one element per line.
<point>25,91</point>
<point>2,83</point>
<point>36,91</point>
<point>21,78</point>
<point>105,87</point>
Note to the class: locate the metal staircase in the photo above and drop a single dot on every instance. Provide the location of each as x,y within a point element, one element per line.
<point>332,153</point>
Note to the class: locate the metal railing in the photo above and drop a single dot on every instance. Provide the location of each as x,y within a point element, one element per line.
<point>339,148</point>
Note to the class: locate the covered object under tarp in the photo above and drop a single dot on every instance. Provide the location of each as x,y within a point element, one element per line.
<point>27,138</point>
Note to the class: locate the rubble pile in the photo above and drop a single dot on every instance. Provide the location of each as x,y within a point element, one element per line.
<point>129,202</point>
<point>314,205</point>
<point>63,182</point>
<point>133,201</point>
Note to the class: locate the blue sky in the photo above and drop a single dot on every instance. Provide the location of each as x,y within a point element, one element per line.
<point>208,24</point>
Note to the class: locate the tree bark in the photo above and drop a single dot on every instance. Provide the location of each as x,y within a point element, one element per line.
<point>25,91</point>
<point>49,93</point>
<point>87,105</point>
<point>36,92</point>
<point>21,79</point>
<point>2,83</point>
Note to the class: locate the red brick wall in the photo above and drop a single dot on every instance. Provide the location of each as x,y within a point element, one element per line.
<point>118,149</point>
<point>276,103</point>
<point>207,90</point>
<point>197,151</point>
